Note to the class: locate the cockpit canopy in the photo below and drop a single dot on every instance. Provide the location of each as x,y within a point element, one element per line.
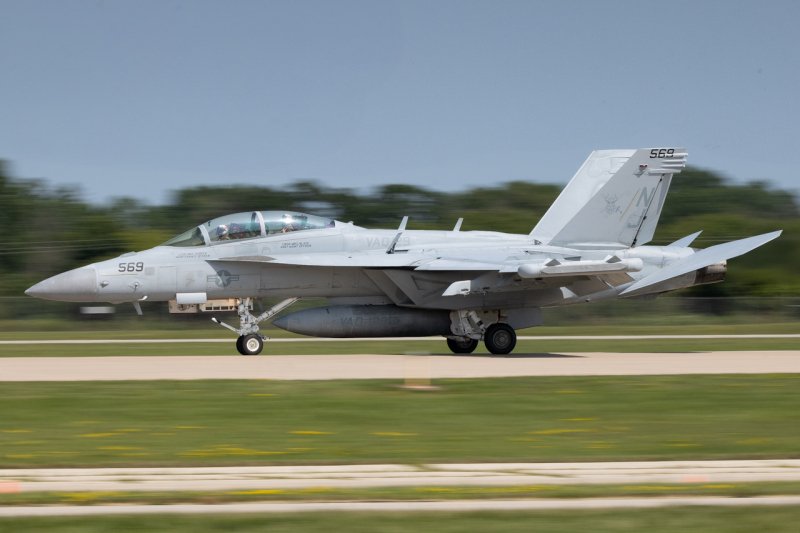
<point>248,226</point>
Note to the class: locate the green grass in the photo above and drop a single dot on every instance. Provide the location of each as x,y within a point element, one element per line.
<point>434,346</point>
<point>510,419</point>
<point>683,519</point>
<point>14,330</point>
<point>428,493</point>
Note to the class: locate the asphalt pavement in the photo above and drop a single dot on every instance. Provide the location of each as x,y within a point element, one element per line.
<point>415,367</point>
<point>294,477</point>
<point>408,506</point>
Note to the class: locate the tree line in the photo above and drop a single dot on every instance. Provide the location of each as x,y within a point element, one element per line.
<point>49,229</point>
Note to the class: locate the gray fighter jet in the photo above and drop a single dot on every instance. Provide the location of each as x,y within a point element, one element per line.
<point>466,286</point>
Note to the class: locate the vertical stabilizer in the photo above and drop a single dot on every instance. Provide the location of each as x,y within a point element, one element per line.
<point>593,174</point>
<point>650,221</point>
<point>624,211</point>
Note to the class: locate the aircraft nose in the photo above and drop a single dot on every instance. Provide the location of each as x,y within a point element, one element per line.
<point>79,285</point>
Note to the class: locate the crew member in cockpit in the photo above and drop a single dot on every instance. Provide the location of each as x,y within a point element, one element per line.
<point>222,233</point>
<point>289,223</point>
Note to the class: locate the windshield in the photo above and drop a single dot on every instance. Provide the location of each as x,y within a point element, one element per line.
<point>193,237</point>
<point>286,221</point>
<point>233,227</point>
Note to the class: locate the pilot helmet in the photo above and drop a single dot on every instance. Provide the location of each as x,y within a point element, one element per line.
<point>221,231</point>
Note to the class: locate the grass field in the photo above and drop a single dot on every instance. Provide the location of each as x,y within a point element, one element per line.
<point>428,493</point>
<point>510,419</point>
<point>683,519</point>
<point>10,330</point>
<point>434,346</point>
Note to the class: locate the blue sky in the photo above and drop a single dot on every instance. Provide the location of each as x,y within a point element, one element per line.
<point>141,97</point>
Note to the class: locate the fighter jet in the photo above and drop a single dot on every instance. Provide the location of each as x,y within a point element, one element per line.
<point>466,286</point>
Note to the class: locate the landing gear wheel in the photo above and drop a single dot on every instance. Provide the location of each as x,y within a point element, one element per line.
<point>500,339</point>
<point>251,344</point>
<point>239,345</point>
<point>462,345</point>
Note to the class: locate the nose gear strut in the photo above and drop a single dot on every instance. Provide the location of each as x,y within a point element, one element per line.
<point>250,341</point>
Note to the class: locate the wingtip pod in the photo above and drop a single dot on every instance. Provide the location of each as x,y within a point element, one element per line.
<point>704,258</point>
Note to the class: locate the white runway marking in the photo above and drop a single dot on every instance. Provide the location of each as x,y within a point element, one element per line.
<point>407,506</point>
<point>297,477</point>
<point>365,366</point>
<point>403,339</point>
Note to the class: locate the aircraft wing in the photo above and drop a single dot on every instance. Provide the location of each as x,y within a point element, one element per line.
<point>484,261</point>
<point>416,261</point>
<point>483,271</point>
<point>702,259</point>
<point>336,259</point>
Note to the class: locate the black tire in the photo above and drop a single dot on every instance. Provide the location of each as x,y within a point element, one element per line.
<point>462,345</point>
<point>500,339</point>
<point>252,345</point>
<point>239,346</point>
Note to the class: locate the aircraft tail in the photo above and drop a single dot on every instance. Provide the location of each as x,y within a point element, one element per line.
<point>702,259</point>
<point>615,199</point>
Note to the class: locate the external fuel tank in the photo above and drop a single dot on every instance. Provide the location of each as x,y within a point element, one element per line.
<point>345,321</point>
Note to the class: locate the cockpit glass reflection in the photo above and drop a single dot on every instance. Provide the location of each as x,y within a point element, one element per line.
<point>193,237</point>
<point>286,221</point>
<point>234,227</point>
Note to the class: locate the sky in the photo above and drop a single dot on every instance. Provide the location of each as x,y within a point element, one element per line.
<point>139,98</point>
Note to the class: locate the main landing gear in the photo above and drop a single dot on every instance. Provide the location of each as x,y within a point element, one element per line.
<point>468,327</point>
<point>499,339</point>
<point>250,341</point>
<point>462,345</point>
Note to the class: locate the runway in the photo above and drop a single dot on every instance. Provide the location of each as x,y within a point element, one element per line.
<point>297,477</point>
<point>394,507</point>
<point>322,367</point>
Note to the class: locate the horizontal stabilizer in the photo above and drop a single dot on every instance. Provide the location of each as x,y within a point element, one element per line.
<point>703,258</point>
<point>686,241</point>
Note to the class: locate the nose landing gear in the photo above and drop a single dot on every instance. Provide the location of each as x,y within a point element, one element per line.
<point>250,341</point>
<point>249,344</point>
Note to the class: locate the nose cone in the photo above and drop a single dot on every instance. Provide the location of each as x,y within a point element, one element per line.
<point>79,285</point>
